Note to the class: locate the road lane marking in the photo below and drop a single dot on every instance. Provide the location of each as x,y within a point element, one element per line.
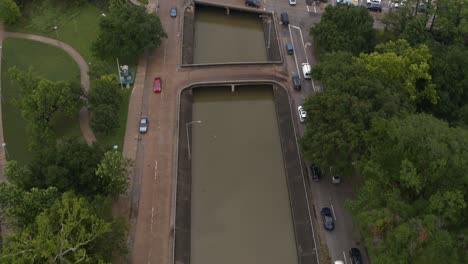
<point>155,169</point>
<point>344,255</point>
<point>292,42</point>
<point>152,219</point>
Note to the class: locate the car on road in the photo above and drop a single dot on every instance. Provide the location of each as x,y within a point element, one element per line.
<point>327,218</point>
<point>339,262</point>
<point>302,114</point>
<point>355,256</point>
<point>374,6</point>
<point>306,70</point>
<point>289,48</point>
<point>157,85</point>
<point>315,172</point>
<point>252,3</point>
<point>336,179</point>
<point>296,81</point>
<point>284,18</point>
<point>173,11</point>
<point>143,124</point>
<point>292,2</point>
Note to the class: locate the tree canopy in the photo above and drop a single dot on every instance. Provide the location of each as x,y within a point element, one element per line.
<point>380,84</point>
<point>63,233</point>
<point>414,196</point>
<point>344,28</point>
<point>126,31</point>
<point>9,11</point>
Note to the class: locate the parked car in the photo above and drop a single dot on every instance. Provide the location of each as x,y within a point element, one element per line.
<point>302,114</point>
<point>252,3</point>
<point>296,81</point>
<point>315,172</point>
<point>143,124</point>
<point>157,85</point>
<point>292,2</point>
<point>173,11</point>
<point>327,218</point>
<point>306,70</point>
<point>336,179</point>
<point>284,18</point>
<point>355,256</point>
<point>374,6</point>
<point>289,48</point>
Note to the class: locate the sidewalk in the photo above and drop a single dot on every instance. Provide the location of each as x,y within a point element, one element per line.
<point>2,150</point>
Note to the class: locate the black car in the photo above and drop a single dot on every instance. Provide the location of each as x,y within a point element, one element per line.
<point>355,256</point>
<point>315,172</point>
<point>296,81</point>
<point>327,218</point>
<point>376,7</point>
<point>253,3</point>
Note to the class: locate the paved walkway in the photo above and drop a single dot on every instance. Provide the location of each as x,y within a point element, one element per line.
<point>2,150</point>
<point>84,77</point>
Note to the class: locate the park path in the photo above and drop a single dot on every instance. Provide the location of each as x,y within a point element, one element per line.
<point>84,116</point>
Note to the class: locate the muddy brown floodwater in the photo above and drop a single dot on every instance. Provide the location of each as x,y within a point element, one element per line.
<point>223,38</point>
<point>240,206</point>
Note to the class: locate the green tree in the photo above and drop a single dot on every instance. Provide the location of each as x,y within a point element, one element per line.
<point>400,66</point>
<point>344,28</point>
<point>105,90</point>
<point>112,172</point>
<point>449,69</point>
<point>126,32</point>
<point>41,99</point>
<point>9,11</point>
<point>104,119</point>
<point>65,233</point>
<point>69,165</point>
<point>413,200</point>
<point>48,98</point>
<point>21,207</point>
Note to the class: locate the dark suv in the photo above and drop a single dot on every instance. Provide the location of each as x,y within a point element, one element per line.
<point>315,172</point>
<point>355,256</point>
<point>376,7</point>
<point>253,3</point>
<point>296,82</point>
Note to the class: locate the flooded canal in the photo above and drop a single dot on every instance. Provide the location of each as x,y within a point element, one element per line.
<point>223,38</point>
<point>240,210</point>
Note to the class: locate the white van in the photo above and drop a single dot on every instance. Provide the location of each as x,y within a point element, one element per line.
<point>306,70</point>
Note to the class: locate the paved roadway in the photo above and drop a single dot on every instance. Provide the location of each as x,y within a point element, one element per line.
<point>323,193</point>
<point>150,203</point>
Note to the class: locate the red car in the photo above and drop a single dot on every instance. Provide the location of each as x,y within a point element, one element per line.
<point>157,85</point>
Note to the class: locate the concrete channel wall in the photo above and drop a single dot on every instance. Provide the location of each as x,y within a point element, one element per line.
<point>304,236</point>
<point>269,31</point>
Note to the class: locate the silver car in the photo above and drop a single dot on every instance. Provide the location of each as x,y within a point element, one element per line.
<point>302,114</point>
<point>143,124</point>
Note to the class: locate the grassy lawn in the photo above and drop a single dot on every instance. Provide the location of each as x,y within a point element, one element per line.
<point>76,26</point>
<point>47,61</point>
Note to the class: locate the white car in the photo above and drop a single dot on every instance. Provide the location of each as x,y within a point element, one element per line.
<point>292,2</point>
<point>397,4</point>
<point>306,70</point>
<point>302,114</point>
<point>143,124</point>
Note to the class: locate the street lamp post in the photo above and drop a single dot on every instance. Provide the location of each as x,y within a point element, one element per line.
<point>56,32</point>
<point>188,139</point>
<point>5,150</point>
